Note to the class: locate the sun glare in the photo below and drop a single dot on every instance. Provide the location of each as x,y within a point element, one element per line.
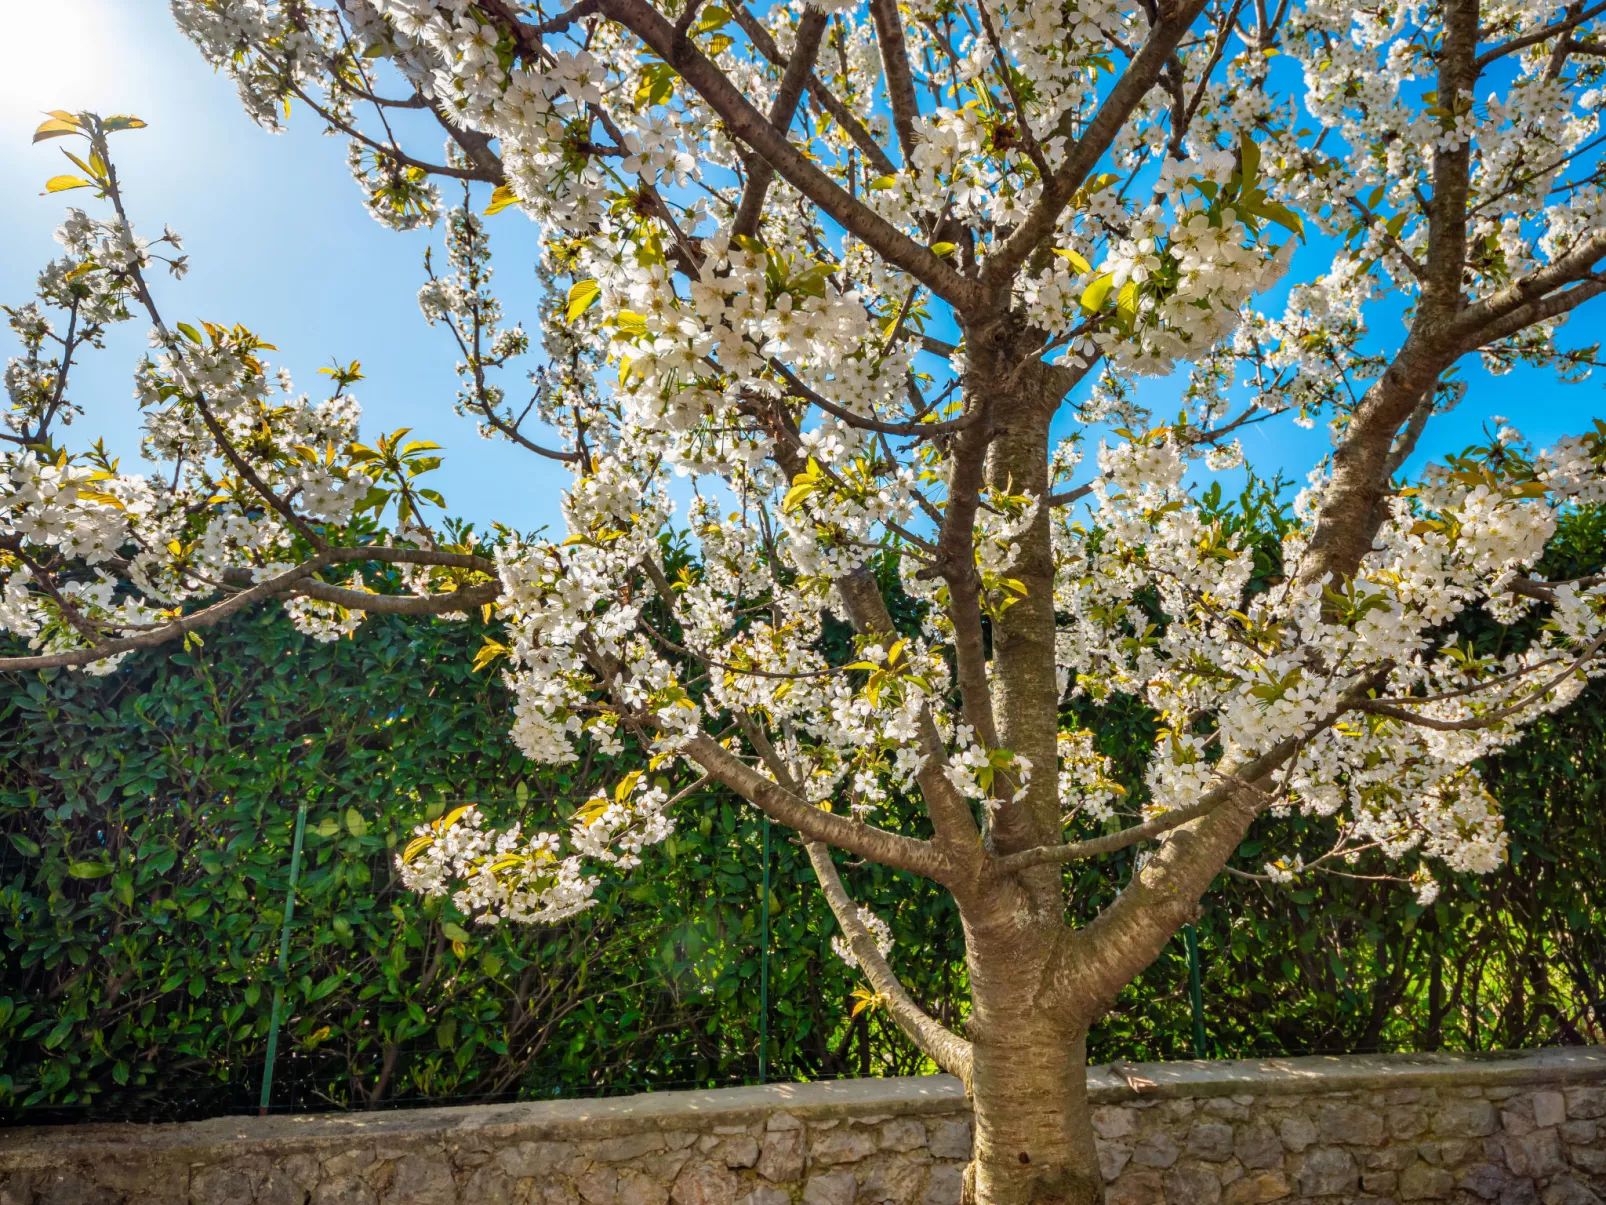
<point>53,55</point>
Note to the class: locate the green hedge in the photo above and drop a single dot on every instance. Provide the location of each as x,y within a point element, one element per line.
<point>145,825</point>
<point>145,829</point>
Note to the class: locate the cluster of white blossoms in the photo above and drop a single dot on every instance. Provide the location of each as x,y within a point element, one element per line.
<point>880,934</point>
<point>1390,716</point>
<point>494,876</point>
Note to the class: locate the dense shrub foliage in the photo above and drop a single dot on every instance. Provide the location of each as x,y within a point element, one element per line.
<point>147,821</point>
<point>145,830</point>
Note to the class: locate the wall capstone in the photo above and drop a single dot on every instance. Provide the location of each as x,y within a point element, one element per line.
<point>1518,1128</point>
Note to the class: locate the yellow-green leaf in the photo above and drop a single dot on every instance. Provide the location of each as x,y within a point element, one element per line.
<point>355,824</point>
<point>501,197</point>
<point>583,295</point>
<point>942,250</point>
<point>1126,302</point>
<point>489,652</point>
<point>1075,259</point>
<point>60,123</point>
<point>1097,292</point>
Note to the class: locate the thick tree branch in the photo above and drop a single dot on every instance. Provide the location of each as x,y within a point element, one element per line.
<point>1472,324</point>
<point>1094,847</point>
<point>945,1048</point>
<point>854,836</point>
<point>810,28</point>
<point>1085,153</point>
<point>180,627</point>
<point>470,598</point>
<point>900,79</point>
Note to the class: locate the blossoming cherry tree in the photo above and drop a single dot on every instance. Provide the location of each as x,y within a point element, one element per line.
<point>871,275</point>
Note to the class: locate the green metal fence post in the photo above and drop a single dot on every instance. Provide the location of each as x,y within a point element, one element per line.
<point>284,959</point>
<point>764,971</point>
<point>1190,937</point>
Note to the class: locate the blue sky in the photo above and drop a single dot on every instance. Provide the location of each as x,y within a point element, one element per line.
<point>279,241</point>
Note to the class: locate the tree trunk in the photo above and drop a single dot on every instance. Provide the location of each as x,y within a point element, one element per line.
<point>1034,1138</point>
<point>1028,1073</point>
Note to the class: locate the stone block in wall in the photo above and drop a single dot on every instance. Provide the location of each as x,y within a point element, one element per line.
<point>1229,1108</point>
<point>841,1146</point>
<point>1534,1154</point>
<point>1257,1146</point>
<point>1113,1158</point>
<point>1296,1133</point>
<point>1588,1101</point>
<point>832,1188</point>
<point>344,1191</point>
<point>1568,1191</point>
<point>1136,1188</point>
<point>1486,1181</point>
<point>945,1185</point>
<point>626,1146</point>
<point>1405,1121</point>
<point>902,1134</point>
<point>1589,1159</point>
<point>636,1187</point>
<point>888,1180</point>
<point>1424,1182</point>
<point>1464,1119</point>
<point>1348,1124</point>
<point>950,1139</point>
<point>704,1183</point>
<point>422,1179</point>
<point>1114,1121</point>
<point>1257,1189</point>
<point>1327,1171</point>
<point>1210,1140</point>
<point>1156,1149</point>
<point>599,1185</point>
<point>1196,1183</point>
<point>781,1156</point>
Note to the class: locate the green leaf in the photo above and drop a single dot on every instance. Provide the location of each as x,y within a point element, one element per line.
<point>1282,215</point>
<point>1249,158</point>
<point>355,824</point>
<point>89,870</point>
<point>26,846</point>
<point>455,931</point>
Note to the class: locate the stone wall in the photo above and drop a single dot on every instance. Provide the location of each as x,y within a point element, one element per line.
<point>1527,1128</point>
